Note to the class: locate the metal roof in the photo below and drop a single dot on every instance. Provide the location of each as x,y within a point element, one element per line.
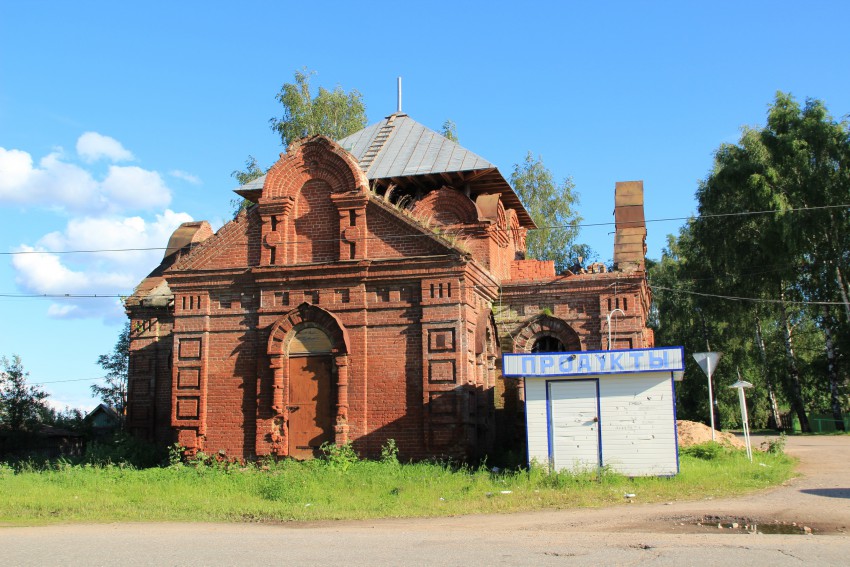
<point>399,147</point>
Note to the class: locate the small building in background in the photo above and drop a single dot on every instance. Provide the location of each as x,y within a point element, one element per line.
<point>103,421</point>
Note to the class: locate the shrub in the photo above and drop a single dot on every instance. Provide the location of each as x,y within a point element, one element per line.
<point>389,452</point>
<point>706,451</point>
<point>123,448</point>
<point>775,446</point>
<point>339,457</point>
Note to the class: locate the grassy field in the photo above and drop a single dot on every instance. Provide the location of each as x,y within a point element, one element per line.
<point>341,487</point>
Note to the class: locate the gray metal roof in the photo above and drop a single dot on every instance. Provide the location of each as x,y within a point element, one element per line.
<point>398,146</point>
<point>254,184</point>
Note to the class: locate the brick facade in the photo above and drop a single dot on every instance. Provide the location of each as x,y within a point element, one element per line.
<point>406,304</point>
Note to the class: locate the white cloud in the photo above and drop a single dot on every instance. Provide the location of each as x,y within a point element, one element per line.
<point>101,273</point>
<point>135,188</point>
<point>56,183</point>
<point>61,402</point>
<point>92,146</point>
<point>185,176</point>
<point>15,170</point>
<point>52,183</point>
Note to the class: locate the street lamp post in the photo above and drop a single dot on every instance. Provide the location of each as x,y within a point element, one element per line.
<point>609,324</point>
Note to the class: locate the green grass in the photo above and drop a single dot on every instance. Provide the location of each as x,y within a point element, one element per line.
<point>344,488</point>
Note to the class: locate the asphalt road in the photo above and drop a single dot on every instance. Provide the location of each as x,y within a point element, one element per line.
<point>657,534</point>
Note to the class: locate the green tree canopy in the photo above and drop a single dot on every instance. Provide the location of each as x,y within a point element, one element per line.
<point>552,207</point>
<point>449,130</point>
<point>113,392</point>
<point>335,113</point>
<point>774,227</point>
<point>21,404</point>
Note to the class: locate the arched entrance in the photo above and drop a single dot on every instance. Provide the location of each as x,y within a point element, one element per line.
<point>308,351</point>
<point>545,333</point>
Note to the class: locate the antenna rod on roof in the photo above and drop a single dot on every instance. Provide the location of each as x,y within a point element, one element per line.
<point>399,96</point>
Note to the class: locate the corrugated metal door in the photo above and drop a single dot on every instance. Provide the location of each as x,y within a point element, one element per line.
<point>574,424</point>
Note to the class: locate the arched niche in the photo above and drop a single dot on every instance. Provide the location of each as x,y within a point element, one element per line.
<point>445,207</point>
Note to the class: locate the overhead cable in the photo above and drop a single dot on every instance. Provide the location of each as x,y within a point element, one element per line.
<point>451,234</point>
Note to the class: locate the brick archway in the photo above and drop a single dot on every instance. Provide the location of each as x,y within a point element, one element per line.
<point>446,206</point>
<point>546,326</point>
<point>280,335</point>
<point>317,157</point>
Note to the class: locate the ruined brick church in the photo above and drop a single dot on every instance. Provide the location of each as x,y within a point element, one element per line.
<point>367,296</point>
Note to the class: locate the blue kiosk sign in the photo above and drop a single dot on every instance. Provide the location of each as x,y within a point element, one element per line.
<point>594,362</point>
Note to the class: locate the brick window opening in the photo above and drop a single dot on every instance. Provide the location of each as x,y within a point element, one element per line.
<point>311,297</point>
<point>281,298</point>
<point>382,295</point>
<point>406,293</point>
<point>343,296</point>
<point>625,304</point>
<point>352,218</point>
<point>225,302</point>
<point>609,304</point>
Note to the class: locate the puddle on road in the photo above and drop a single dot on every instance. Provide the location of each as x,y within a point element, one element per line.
<point>718,524</point>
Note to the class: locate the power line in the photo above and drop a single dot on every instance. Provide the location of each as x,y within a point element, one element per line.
<point>452,235</point>
<point>63,381</point>
<point>94,251</point>
<point>61,295</point>
<point>752,299</point>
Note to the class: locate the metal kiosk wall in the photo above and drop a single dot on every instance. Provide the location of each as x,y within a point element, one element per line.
<point>612,408</point>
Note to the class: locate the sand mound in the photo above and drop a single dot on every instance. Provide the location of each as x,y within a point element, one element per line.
<point>693,433</point>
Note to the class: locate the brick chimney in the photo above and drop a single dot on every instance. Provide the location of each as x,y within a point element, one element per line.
<point>630,231</point>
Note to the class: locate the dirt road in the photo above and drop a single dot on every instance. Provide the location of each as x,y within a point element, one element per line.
<point>623,535</point>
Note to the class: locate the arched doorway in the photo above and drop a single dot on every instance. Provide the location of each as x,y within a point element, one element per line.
<point>308,358</point>
<point>545,333</point>
<point>312,395</point>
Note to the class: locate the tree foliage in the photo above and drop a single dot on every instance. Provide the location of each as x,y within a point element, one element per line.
<point>335,113</point>
<point>21,405</point>
<point>113,390</point>
<point>449,130</point>
<point>251,172</point>
<point>552,207</point>
<point>788,260</point>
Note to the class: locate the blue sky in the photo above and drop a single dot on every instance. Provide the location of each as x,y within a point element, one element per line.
<point>120,120</point>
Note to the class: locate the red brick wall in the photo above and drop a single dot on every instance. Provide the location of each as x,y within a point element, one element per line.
<point>532,269</point>
<point>315,226</point>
